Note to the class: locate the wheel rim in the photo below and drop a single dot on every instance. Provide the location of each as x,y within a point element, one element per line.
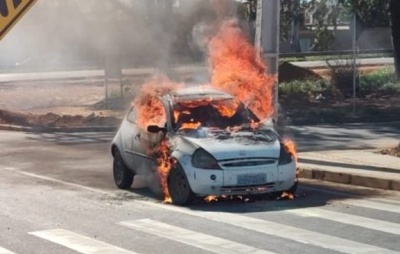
<point>179,186</point>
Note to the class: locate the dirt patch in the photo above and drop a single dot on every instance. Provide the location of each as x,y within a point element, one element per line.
<point>395,151</point>
<point>55,120</point>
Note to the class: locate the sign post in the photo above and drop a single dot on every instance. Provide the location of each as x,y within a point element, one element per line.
<point>11,11</point>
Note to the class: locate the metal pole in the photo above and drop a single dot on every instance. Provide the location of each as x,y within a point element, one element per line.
<point>267,38</point>
<point>354,61</point>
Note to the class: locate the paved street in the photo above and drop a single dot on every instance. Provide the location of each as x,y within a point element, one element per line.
<point>57,196</point>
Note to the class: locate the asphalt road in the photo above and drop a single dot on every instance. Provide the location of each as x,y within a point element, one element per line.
<point>57,196</point>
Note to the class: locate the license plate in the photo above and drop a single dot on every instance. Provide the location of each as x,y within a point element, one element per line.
<point>251,179</point>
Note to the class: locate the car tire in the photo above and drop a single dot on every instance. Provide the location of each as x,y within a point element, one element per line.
<point>179,187</point>
<point>123,176</point>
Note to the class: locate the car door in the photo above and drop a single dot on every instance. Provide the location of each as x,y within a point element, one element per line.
<point>130,132</point>
<point>148,143</point>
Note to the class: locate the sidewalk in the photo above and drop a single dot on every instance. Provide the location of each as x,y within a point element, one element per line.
<point>357,167</point>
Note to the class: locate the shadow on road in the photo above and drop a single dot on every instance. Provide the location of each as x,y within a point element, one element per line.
<point>78,138</point>
<point>346,165</point>
<point>338,137</point>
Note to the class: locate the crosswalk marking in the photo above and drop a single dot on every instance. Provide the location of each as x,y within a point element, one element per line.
<point>5,251</point>
<point>386,207</point>
<point>349,219</point>
<point>79,243</point>
<point>280,230</point>
<point>199,240</point>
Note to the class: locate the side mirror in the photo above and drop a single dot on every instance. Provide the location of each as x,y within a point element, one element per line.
<point>155,129</point>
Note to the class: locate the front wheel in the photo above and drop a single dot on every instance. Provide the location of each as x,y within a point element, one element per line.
<point>123,176</point>
<point>179,188</point>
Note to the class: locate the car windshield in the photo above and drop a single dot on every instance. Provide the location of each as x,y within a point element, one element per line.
<point>213,113</point>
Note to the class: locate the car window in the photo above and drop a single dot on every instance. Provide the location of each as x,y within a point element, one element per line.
<point>132,115</point>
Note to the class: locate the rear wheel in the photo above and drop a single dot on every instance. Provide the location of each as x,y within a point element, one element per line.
<point>179,188</point>
<point>123,176</point>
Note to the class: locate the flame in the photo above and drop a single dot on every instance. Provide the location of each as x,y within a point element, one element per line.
<point>164,165</point>
<point>290,147</point>
<point>150,109</point>
<point>237,68</point>
<point>227,109</point>
<point>286,195</point>
<point>211,198</point>
<point>193,126</point>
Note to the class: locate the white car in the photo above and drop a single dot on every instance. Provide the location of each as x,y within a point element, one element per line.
<point>213,139</point>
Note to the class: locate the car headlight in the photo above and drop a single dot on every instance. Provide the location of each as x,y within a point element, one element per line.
<point>285,157</point>
<point>202,159</point>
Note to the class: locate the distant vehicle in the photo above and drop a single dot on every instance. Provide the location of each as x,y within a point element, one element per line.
<point>219,147</point>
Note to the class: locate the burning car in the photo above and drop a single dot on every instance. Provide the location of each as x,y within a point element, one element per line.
<point>202,142</point>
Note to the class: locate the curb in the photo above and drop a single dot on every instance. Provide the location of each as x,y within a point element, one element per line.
<point>57,129</point>
<point>352,179</point>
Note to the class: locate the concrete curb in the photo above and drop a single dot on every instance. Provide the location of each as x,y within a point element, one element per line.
<point>352,179</point>
<point>57,129</point>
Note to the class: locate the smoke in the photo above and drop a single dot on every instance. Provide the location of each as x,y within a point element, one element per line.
<point>130,33</point>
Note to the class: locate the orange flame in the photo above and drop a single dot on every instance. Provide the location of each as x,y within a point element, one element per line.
<point>211,198</point>
<point>290,147</point>
<point>150,109</point>
<point>164,165</point>
<point>236,67</point>
<point>193,126</point>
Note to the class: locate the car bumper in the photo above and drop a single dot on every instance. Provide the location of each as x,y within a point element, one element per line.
<point>205,182</point>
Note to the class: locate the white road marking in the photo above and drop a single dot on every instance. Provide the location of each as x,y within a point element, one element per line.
<point>270,228</point>
<point>46,178</point>
<point>379,225</point>
<point>5,251</point>
<point>280,230</point>
<point>350,196</point>
<point>79,243</point>
<point>199,240</point>
<point>381,206</point>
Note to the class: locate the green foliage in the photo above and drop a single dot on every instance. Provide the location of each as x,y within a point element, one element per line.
<point>374,13</point>
<point>377,83</point>
<point>303,90</point>
<point>382,82</point>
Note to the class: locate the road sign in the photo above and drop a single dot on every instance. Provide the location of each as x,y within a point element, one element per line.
<point>10,12</point>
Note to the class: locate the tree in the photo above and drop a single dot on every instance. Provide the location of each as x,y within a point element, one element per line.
<point>395,20</point>
<point>373,13</point>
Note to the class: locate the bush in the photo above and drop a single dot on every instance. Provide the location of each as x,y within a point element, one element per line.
<point>302,90</point>
<point>341,71</point>
<point>381,82</point>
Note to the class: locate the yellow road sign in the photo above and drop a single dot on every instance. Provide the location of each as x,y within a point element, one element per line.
<point>10,12</point>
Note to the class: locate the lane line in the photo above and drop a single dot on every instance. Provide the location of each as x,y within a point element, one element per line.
<point>199,240</point>
<point>50,179</point>
<point>385,207</point>
<point>354,220</point>
<point>5,251</point>
<point>79,243</point>
<point>280,230</point>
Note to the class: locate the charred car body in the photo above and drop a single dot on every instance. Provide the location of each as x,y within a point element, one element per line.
<point>219,147</point>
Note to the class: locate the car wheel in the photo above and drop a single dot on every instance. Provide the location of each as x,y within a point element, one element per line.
<point>179,188</point>
<point>123,176</point>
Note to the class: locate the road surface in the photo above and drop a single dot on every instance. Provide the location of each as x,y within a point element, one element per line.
<point>57,196</point>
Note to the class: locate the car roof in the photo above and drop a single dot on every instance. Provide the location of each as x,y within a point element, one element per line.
<point>199,92</point>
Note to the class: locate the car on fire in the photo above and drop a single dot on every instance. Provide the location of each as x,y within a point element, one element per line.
<point>218,145</point>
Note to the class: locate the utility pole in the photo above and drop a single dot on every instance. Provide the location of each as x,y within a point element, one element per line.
<point>267,39</point>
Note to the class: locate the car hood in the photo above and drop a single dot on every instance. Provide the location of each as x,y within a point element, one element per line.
<point>237,145</point>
